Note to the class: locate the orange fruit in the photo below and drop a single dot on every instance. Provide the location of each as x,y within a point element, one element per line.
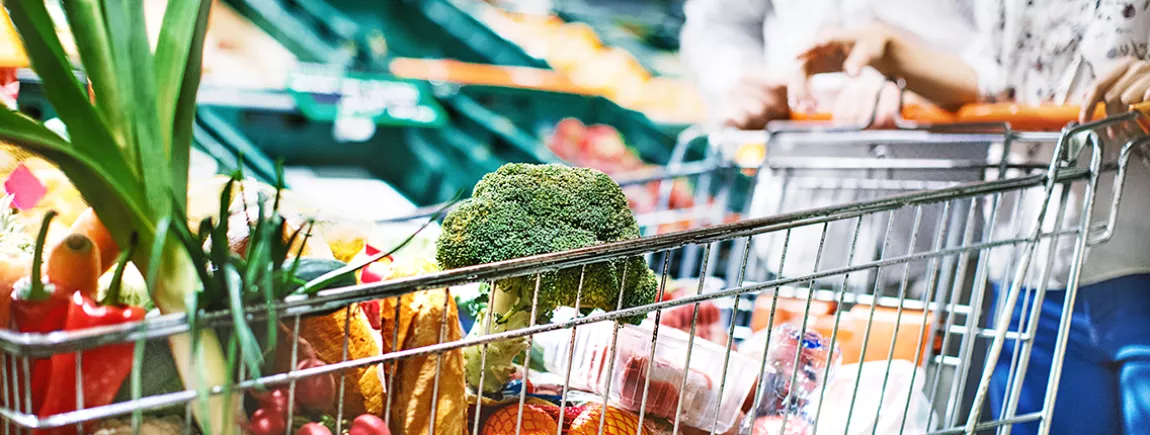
<point>536,421</point>
<point>616,422</point>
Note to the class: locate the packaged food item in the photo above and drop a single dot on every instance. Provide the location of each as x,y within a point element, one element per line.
<point>796,370</point>
<point>636,379</point>
<point>773,425</point>
<point>712,317</point>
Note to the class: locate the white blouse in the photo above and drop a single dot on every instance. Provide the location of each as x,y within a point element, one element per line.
<point>1042,51</point>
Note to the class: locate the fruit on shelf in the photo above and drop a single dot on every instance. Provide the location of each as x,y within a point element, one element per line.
<point>603,143</point>
<point>575,49</point>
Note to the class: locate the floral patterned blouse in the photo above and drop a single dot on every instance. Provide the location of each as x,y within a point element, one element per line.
<point>1038,51</point>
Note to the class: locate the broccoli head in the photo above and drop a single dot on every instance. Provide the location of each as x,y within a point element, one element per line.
<point>522,210</point>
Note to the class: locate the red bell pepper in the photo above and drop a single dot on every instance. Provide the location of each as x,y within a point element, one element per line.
<point>103,369</point>
<point>37,307</point>
<point>37,311</point>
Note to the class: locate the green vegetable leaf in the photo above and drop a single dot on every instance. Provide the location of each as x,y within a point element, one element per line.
<point>153,143</point>
<point>86,18</point>
<point>179,59</point>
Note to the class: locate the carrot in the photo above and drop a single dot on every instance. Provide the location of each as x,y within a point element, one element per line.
<point>88,224</point>
<point>73,265</point>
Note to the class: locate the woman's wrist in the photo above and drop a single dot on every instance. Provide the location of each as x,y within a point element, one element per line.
<point>896,51</point>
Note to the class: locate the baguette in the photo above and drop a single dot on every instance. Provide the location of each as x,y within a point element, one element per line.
<point>416,379</point>
<point>415,320</point>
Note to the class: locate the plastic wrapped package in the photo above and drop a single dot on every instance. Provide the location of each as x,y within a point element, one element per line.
<point>664,381</point>
<point>893,399</point>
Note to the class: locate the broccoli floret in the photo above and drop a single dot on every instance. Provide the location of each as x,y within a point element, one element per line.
<point>522,210</point>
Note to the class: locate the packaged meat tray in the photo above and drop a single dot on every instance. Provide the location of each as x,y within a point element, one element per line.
<point>667,378</point>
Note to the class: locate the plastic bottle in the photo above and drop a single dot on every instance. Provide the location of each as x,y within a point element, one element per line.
<point>795,403</point>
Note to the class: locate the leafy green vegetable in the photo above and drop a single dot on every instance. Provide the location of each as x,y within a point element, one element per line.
<point>522,210</point>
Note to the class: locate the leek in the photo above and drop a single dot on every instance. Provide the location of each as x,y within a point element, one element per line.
<point>128,151</point>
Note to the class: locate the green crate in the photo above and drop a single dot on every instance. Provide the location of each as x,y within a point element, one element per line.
<point>537,112</point>
<point>427,165</point>
<point>440,29</point>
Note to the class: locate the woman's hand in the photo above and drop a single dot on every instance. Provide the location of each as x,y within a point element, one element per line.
<point>867,100</point>
<point>1128,83</point>
<point>753,102</point>
<point>846,51</point>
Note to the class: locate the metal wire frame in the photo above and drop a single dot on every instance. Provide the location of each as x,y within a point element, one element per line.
<point>20,348</point>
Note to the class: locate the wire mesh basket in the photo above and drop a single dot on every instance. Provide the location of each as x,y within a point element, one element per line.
<point>833,355</point>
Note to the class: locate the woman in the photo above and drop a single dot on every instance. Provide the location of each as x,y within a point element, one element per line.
<point>1051,51</point>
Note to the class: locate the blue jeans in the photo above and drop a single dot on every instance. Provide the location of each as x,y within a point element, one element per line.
<point>1105,383</point>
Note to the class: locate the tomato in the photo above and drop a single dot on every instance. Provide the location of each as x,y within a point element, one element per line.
<point>268,422</point>
<point>274,400</point>
<point>368,424</point>
<point>315,393</point>
<point>313,429</point>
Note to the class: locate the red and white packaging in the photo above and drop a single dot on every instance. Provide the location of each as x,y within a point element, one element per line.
<point>693,387</point>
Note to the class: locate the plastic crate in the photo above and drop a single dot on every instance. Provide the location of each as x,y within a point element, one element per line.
<point>427,165</point>
<point>537,112</point>
<point>441,29</point>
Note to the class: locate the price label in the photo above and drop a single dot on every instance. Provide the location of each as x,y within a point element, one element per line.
<point>387,100</point>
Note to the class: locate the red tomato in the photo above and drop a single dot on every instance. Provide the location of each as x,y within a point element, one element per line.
<point>313,429</point>
<point>274,400</point>
<point>268,422</point>
<point>368,424</point>
<point>315,393</point>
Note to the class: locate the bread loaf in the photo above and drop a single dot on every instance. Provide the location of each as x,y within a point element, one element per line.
<point>416,377</point>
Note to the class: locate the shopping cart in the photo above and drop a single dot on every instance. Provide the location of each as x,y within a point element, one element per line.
<point>958,211</point>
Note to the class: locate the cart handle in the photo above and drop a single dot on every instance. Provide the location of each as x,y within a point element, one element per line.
<point>1046,117</point>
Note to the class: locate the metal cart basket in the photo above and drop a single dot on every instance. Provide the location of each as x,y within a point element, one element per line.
<point>950,316</point>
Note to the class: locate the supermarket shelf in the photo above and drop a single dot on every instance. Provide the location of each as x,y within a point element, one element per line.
<point>427,165</point>
<point>604,18</point>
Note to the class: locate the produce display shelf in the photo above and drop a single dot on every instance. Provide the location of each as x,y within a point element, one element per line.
<point>427,165</point>
<point>514,120</point>
<point>615,25</point>
<point>441,29</point>
<point>538,111</point>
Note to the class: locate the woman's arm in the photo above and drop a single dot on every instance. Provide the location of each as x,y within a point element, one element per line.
<point>942,78</point>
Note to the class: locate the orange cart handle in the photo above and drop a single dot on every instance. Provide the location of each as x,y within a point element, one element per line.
<point>466,73</point>
<point>1022,117</point>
